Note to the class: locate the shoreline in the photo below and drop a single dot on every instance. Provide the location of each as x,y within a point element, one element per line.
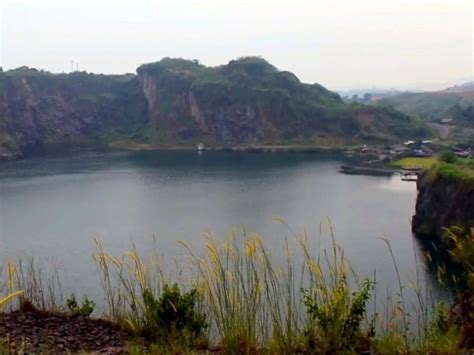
<point>4,158</point>
<point>270,148</point>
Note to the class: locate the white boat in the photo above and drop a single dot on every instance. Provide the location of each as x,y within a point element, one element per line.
<point>200,147</point>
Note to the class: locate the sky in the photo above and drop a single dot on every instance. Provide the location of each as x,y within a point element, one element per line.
<point>342,44</point>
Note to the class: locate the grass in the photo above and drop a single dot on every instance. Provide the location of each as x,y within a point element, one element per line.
<point>236,297</point>
<point>8,286</point>
<point>253,304</point>
<point>424,163</point>
<point>454,169</point>
<point>460,169</point>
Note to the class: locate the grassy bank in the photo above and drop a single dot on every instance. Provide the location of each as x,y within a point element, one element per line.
<point>411,162</point>
<point>461,169</point>
<point>238,298</point>
<point>445,165</point>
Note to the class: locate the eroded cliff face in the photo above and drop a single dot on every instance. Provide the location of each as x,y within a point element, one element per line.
<point>206,112</point>
<point>243,102</point>
<point>40,108</point>
<point>177,101</point>
<point>442,202</point>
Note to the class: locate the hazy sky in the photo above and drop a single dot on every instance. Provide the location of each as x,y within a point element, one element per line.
<point>338,43</point>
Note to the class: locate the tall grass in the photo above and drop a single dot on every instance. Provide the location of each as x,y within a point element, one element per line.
<point>254,301</point>
<point>40,283</point>
<point>237,297</point>
<point>8,292</point>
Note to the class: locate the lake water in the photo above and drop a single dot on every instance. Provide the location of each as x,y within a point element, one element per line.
<point>53,207</point>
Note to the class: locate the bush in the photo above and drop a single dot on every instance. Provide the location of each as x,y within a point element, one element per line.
<point>85,309</point>
<point>173,315</point>
<point>338,319</point>
<point>447,157</point>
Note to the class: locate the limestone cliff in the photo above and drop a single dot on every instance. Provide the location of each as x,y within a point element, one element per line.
<point>177,101</point>
<point>39,108</point>
<point>250,101</point>
<point>443,201</point>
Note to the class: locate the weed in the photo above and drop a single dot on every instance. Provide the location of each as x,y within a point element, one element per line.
<point>85,309</point>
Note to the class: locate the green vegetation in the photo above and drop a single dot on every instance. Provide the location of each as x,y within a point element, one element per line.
<point>239,299</point>
<point>85,309</point>
<point>434,106</point>
<point>454,168</point>
<point>249,92</point>
<point>173,317</point>
<point>338,318</point>
<point>446,165</point>
<point>181,102</point>
<point>424,163</point>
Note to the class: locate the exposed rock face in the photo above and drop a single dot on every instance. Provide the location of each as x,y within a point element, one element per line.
<point>442,202</point>
<point>250,101</point>
<point>38,108</point>
<point>247,101</point>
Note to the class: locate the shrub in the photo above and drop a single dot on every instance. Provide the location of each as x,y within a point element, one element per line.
<point>338,318</point>
<point>447,157</point>
<point>85,309</point>
<point>173,314</point>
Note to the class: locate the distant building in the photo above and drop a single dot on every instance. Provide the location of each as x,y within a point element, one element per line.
<point>421,153</point>
<point>463,152</point>
<point>447,121</point>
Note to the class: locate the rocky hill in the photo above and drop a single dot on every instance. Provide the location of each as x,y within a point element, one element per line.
<point>177,101</point>
<point>445,198</point>
<point>39,110</point>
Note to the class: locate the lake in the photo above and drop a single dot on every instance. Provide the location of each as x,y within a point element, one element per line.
<point>52,208</point>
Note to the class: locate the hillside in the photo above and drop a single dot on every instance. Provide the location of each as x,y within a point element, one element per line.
<point>466,87</point>
<point>456,102</point>
<point>177,101</point>
<point>39,110</point>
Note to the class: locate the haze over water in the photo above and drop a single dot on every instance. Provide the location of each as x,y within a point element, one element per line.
<point>54,207</point>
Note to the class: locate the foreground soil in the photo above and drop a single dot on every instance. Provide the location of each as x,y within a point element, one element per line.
<point>41,332</point>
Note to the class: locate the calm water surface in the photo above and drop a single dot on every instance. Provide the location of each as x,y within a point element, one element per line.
<point>53,207</point>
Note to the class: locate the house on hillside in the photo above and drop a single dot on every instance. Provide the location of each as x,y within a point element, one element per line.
<point>447,121</point>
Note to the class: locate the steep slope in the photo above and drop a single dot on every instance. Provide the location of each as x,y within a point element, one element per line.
<point>249,101</point>
<point>38,108</point>
<point>176,101</point>
<point>246,101</point>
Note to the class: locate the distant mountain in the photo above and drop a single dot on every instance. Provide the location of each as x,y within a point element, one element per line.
<point>466,87</point>
<point>177,101</point>
<point>456,102</point>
